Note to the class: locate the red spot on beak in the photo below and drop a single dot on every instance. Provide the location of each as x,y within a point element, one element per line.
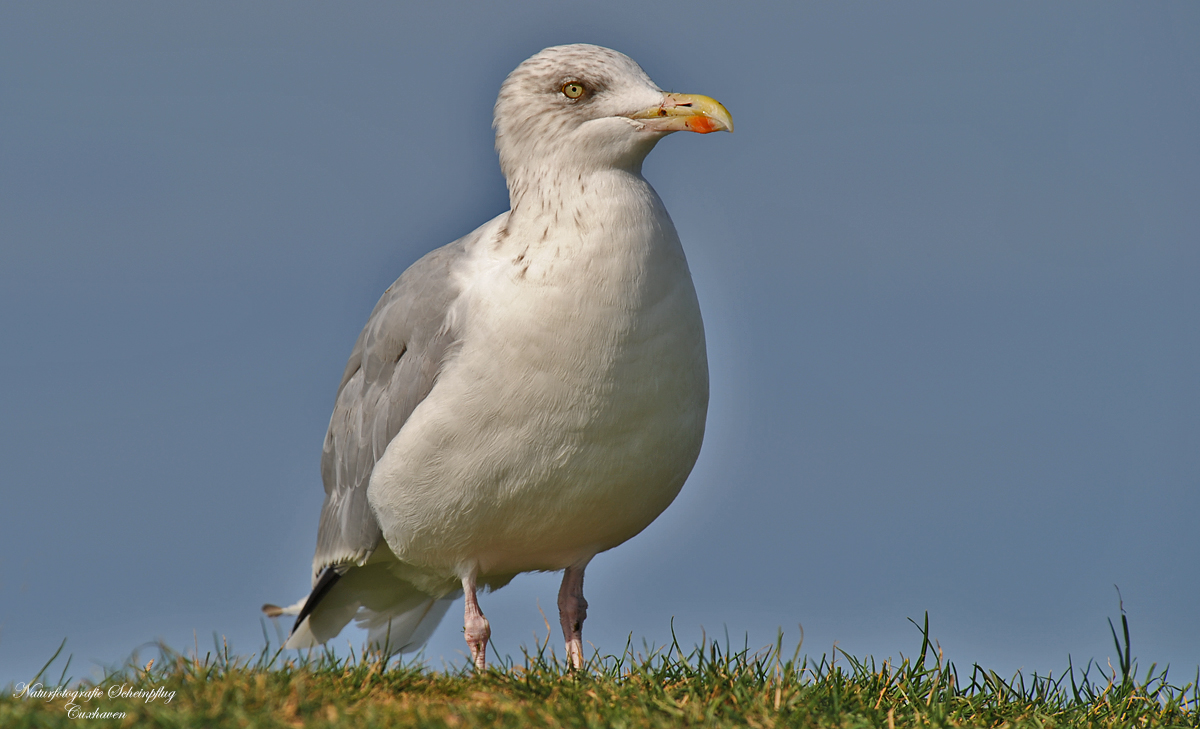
<point>701,125</point>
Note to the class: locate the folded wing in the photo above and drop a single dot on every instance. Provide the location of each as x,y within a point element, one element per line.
<point>394,365</point>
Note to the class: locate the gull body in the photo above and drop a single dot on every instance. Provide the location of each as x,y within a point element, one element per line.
<point>574,408</point>
<point>532,394</point>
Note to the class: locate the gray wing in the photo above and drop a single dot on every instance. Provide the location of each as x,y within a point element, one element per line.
<point>394,365</point>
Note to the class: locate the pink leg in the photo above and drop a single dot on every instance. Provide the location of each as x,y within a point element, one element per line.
<point>475,626</point>
<point>572,611</point>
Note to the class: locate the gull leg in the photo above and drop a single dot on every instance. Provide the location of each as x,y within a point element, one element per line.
<point>475,626</point>
<point>572,611</point>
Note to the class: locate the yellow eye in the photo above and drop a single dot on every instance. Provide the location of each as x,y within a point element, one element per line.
<point>572,90</point>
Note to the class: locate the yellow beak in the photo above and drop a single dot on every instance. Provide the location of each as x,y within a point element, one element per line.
<point>686,112</point>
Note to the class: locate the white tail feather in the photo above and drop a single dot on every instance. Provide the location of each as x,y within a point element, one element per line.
<point>406,631</point>
<point>399,618</point>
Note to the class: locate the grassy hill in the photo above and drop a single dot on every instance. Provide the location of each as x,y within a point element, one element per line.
<point>713,685</point>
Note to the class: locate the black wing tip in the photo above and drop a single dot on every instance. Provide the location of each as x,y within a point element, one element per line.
<point>325,583</point>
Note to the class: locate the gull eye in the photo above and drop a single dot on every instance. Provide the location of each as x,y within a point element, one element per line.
<point>572,89</point>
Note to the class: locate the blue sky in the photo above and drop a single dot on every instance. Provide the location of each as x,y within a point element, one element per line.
<point>947,265</point>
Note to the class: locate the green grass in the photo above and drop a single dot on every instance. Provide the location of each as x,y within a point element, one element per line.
<point>713,685</point>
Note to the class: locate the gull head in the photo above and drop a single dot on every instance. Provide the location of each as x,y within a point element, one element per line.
<point>581,107</point>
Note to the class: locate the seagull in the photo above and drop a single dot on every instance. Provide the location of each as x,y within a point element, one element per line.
<point>530,395</point>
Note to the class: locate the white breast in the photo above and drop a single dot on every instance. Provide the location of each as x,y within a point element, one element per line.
<point>574,409</point>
